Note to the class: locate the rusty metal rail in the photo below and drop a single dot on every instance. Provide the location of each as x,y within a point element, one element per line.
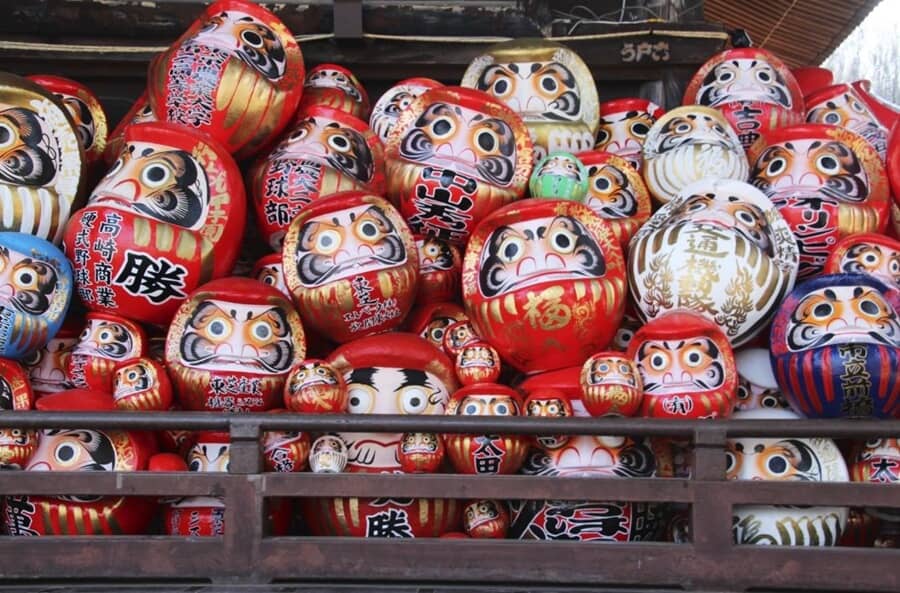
<point>246,555</point>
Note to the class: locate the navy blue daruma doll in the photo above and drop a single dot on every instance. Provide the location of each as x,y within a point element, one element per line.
<point>35,291</point>
<point>835,347</point>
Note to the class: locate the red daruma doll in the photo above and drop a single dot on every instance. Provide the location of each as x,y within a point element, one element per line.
<point>236,74</point>
<point>543,283</point>
<point>351,265</point>
<point>167,217</point>
<point>231,346</point>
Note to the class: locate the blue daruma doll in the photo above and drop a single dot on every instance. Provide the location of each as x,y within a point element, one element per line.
<point>35,291</point>
<point>835,347</point>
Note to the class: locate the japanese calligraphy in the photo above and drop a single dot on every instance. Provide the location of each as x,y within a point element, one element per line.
<point>156,279</point>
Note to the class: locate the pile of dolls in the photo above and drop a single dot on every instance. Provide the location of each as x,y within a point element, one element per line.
<point>509,246</point>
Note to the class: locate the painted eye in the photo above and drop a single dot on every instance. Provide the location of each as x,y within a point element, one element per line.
<point>328,242</point>
<point>7,135</point>
<point>511,249</point>
<point>693,357</point>
<point>25,278</point>
<point>822,311</point>
<point>339,142</point>
<point>769,401</point>
<point>105,336</point>
<point>777,465</point>
<point>870,258</point>
<point>828,165</point>
<point>65,453</point>
<point>501,409</point>
<point>195,466</point>
<point>549,83</point>
<point>725,76</point>
<point>743,391</point>
<point>603,136</point>
<point>413,400</point>
<point>776,166</point>
<point>437,335</point>
<point>369,230</point>
<point>874,443</point>
<point>894,266</point>
<point>155,175</point>
<point>624,369</point>
<point>261,331</point>
<point>603,368</point>
<point>553,409</point>
<point>219,328</point>
<point>745,217</point>
<point>33,359</point>
<point>683,128</point>
<point>116,167</point>
<point>85,334</point>
<point>562,241</point>
<point>624,337</point>
<point>659,362</point>
<point>487,141</point>
<point>252,38</point>
<point>501,87</point>
<point>321,371</point>
<point>472,408</point>
<point>602,185</point>
<point>640,129</point>
<point>360,400</point>
<point>832,117</point>
<point>730,461</point>
<point>300,133</point>
<point>764,77</point>
<point>857,107</point>
<point>869,307</point>
<point>442,127</point>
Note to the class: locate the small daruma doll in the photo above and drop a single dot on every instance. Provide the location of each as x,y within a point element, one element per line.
<point>420,452</point>
<point>548,85</point>
<point>543,283</point>
<point>867,253</point>
<point>330,85</point>
<point>719,249</point>
<point>486,519</point>
<point>141,384</point>
<point>687,367</point>
<point>16,444</point>
<point>394,373</point>
<point>788,459</point>
<point>394,101</point>
<point>235,74</point>
<point>877,461</point>
<point>231,346</point>
<point>166,218</point>
<point>561,176</point>
<point>841,105</point>
<point>351,265</point>
<point>315,387</point>
<point>71,450</point>
<point>611,385</point>
<point>488,453</point>
<point>47,366</point>
<point>835,347</point>
<point>753,89</point>
<point>688,144</point>
<point>326,152</point>
<point>624,124</point>
<point>106,341</point>
<point>616,192</point>
<point>43,171</point>
<point>269,270</point>
<point>440,269</point>
<point>201,516</point>
<point>477,362</point>
<point>454,156</point>
<point>827,182</point>
<point>35,292</point>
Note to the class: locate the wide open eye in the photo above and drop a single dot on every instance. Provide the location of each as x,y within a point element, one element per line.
<point>443,127</point>
<point>7,135</point>
<point>252,38</point>
<point>219,328</point>
<point>487,141</point>
<point>339,142</point>
<point>413,400</point>
<point>502,408</point>
<point>473,407</point>
<point>548,83</point>
<point>725,76</point>
<point>832,118</point>
<point>328,241</point>
<point>65,453</point>
<point>368,231</point>
<point>511,249</point>
<point>602,184</point>
<point>156,175</point>
<point>603,136</point>
<point>563,241</point>
<point>25,278</point>
<point>501,87</point>
<point>778,465</point>
<point>828,164</point>
<point>361,399</point>
<point>261,331</point>
<point>693,357</point>
<point>639,129</point>
<point>764,76</point>
<point>659,361</point>
<point>683,128</point>
<point>776,166</point>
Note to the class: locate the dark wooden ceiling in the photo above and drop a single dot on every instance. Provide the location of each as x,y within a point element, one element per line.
<point>800,32</point>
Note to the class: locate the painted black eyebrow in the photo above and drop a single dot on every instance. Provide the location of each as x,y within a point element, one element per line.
<point>362,375</point>
<point>414,377</point>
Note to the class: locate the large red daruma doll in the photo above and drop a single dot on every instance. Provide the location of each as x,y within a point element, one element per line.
<point>687,367</point>
<point>83,450</point>
<point>236,74</point>
<point>454,156</point>
<point>166,218</point>
<point>396,373</point>
<point>326,152</point>
<point>351,265</point>
<point>826,181</point>
<point>544,283</point>
<point>231,346</point>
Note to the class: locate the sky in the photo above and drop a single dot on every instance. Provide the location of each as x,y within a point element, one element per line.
<point>872,51</point>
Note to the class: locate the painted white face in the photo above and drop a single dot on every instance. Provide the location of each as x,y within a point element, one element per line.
<point>539,250</point>
<point>612,371</point>
<point>27,284</point>
<point>869,258</point>
<point>388,108</point>
<point>329,78</point>
<point>487,405</point>
<point>463,140</point>
<point>107,339</point>
<point>842,315</point>
<point>134,378</point>
<point>744,80</point>
<point>537,91</point>
<point>273,275</point>
<point>159,182</point>
<point>47,367</point>
<point>237,337</point>
<point>327,141</point>
<point>253,42</point>
<point>347,243</point>
<point>849,111</point>
<point>680,366</point>
<point>328,455</point>
<point>379,390</point>
<point>208,457</point>
<point>610,193</point>
<point>623,133</point>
